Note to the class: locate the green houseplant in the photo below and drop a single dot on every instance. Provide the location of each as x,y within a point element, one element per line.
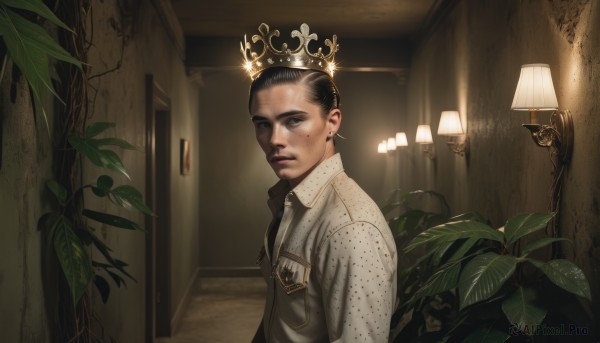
<point>71,237</point>
<point>409,214</point>
<point>497,290</point>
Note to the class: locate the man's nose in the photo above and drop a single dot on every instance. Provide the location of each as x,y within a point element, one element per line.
<point>277,136</point>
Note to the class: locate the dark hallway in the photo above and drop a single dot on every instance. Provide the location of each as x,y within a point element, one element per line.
<point>163,80</point>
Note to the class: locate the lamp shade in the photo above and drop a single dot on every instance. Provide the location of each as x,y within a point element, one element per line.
<point>382,147</point>
<point>391,144</point>
<point>450,124</point>
<point>535,90</point>
<point>424,135</point>
<point>401,139</point>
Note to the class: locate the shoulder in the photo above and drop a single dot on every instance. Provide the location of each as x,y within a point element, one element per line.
<point>352,213</point>
<point>356,201</point>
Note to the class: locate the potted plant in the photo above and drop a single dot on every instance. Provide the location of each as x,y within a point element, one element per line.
<point>494,288</point>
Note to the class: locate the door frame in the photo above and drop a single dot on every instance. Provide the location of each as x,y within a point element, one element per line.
<point>158,254</point>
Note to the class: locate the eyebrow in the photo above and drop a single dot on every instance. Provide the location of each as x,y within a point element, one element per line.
<point>279,116</point>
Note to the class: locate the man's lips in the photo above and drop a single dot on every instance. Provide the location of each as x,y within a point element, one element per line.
<point>280,159</point>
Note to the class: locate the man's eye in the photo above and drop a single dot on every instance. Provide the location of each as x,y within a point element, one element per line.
<point>261,125</point>
<point>294,121</point>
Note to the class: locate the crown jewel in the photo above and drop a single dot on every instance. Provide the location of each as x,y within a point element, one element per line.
<point>301,57</point>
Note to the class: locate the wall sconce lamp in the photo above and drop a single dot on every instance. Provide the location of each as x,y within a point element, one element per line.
<point>451,126</point>
<point>401,140</point>
<point>391,144</point>
<point>535,92</point>
<point>382,147</point>
<point>426,140</point>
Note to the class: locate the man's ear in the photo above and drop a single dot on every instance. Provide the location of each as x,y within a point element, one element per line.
<point>334,120</point>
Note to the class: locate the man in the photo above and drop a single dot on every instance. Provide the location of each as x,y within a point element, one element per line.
<point>329,257</point>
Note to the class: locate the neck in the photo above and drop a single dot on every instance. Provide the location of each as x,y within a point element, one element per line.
<point>329,151</point>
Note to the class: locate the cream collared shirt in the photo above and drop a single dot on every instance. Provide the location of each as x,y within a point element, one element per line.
<point>332,276</point>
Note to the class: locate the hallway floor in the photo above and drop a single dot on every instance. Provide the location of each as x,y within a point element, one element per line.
<point>222,310</point>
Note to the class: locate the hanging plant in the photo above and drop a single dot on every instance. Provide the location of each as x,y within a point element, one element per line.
<point>31,48</point>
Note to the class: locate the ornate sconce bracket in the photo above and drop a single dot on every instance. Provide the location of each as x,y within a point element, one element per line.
<point>558,136</point>
<point>460,145</point>
<point>429,151</point>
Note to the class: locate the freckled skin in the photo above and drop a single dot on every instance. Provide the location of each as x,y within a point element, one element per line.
<point>292,131</point>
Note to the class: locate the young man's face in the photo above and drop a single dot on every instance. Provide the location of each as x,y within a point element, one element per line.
<point>292,131</point>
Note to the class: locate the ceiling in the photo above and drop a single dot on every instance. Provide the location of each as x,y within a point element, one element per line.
<point>346,18</point>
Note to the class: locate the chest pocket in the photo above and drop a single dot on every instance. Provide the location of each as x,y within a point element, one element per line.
<point>292,274</point>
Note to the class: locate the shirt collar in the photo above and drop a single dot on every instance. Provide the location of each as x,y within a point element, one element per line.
<point>312,185</point>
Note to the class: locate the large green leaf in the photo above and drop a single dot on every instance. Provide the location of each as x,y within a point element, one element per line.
<point>105,182</point>
<point>397,227</point>
<point>453,231</point>
<point>525,224</point>
<point>48,221</point>
<point>440,250</point>
<point>102,287</point>
<point>521,308</point>
<point>30,47</point>
<point>463,248</point>
<point>445,278</point>
<point>73,257</point>
<point>94,129</point>
<point>130,198</point>
<point>117,278</point>
<point>487,336</point>
<point>566,275</point>
<point>30,35</point>
<point>38,7</point>
<point>411,219</point>
<point>58,190</point>
<point>32,62</point>
<point>111,219</point>
<point>112,161</point>
<point>105,251</point>
<point>470,216</point>
<point>405,197</point>
<point>112,141</point>
<point>103,185</point>
<point>101,158</point>
<point>483,276</point>
<point>90,152</point>
<point>539,243</point>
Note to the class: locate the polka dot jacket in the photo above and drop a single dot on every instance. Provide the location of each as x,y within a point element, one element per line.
<point>332,273</point>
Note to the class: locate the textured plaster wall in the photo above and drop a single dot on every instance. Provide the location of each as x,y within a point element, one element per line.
<point>121,98</point>
<point>26,165</point>
<point>470,61</point>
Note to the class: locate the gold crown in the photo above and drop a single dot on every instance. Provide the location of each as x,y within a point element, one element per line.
<point>300,57</point>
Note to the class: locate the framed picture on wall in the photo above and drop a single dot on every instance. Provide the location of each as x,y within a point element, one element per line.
<point>185,158</point>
